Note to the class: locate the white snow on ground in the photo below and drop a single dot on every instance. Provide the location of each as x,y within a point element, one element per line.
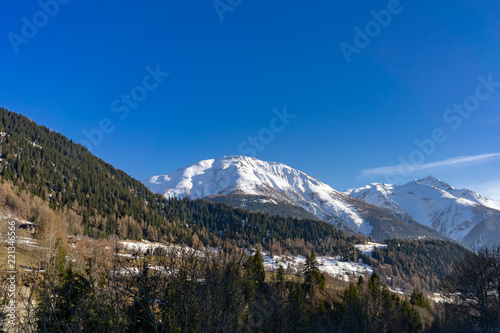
<point>127,255</point>
<point>128,271</point>
<point>329,265</point>
<point>144,246</point>
<point>11,217</point>
<point>397,291</point>
<point>141,247</point>
<point>27,241</point>
<point>270,201</point>
<point>368,248</point>
<point>439,298</point>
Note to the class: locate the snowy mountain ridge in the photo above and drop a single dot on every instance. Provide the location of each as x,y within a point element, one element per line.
<point>278,189</point>
<point>460,214</point>
<point>247,175</point>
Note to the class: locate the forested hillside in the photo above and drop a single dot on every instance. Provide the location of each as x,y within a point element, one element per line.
<point>106,201</point>
<point>415,264</point>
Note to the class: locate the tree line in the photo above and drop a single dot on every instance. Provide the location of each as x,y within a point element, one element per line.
<point>92,289</point>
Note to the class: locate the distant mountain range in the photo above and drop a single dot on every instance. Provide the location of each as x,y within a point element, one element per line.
<point>424,208</point>
<point>460,214</point>
<point>281,190</point>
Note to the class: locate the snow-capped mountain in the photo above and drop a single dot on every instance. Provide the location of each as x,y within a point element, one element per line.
<point>249,182</point>
<point>463,215</point>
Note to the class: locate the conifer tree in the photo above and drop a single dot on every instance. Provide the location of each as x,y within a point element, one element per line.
<point>280,275</point>
<point>312,274</point>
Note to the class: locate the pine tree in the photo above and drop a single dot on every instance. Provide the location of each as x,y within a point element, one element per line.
<point>312,274</point>
<point>418,299</point>
<point>352,312</point>
<point>414,324</point>
<point>280,276</point>
<point>256,273</point>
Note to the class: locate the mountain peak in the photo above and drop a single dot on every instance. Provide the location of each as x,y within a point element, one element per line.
<point>434,182</point>
<point>463,215</point>
<point>236,157</point>
<point>241,175</point>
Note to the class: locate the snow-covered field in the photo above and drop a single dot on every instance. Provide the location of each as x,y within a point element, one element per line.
<point>368,248</point>
<point>141,247</point>
<point>329,265</point>
<point>439,298</point>
<point>144,246</point>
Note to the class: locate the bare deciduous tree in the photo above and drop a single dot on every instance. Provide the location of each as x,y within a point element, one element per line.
<point>473,287</point>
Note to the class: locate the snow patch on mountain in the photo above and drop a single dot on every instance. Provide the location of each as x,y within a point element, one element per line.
<point>342,270</point>
<point>369,247</point>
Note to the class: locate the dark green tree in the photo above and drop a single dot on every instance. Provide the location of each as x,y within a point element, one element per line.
<point>280,275</point>
<point>417,298</point>
<point>255,267</point>
<point>412,318</point>
<point>351,316</point>
<point>312,274</point>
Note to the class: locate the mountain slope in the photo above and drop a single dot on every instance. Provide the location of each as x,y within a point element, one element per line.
<point>463,215</point>
<point>234,178</point>
<point>97,200</point>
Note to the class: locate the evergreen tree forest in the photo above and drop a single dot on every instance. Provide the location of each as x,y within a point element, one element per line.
<point>178,290</point>
<point>420,264</point>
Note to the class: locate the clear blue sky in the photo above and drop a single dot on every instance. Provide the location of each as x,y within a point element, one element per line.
<point>72,71</point>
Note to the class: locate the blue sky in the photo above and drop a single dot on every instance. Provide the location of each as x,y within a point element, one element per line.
<point>159,85</point>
